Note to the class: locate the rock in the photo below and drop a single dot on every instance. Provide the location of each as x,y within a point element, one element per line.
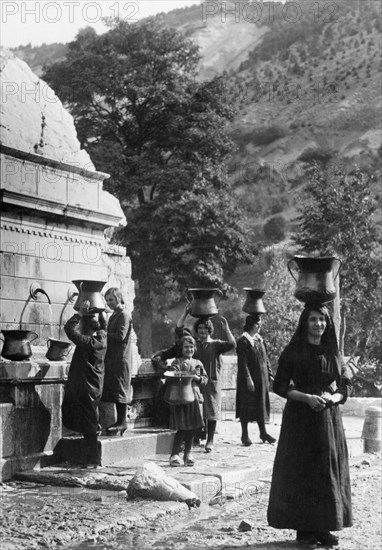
<point>218,499</point>
<point>366,462</point>
<point>245,526</point>
<point>151,481</point>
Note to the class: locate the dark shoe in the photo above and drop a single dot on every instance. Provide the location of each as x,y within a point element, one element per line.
<point>209,447</point>
<point>267,438</point>
<point>246,441</point>
<point>326,538</point>
<point>307,538</point>
<point>116,429</point>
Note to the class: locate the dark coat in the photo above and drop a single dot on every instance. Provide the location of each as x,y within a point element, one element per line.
<point>252,361</point>
<point>116,388</point>
<point>310,488</point>
<point>85,378</point>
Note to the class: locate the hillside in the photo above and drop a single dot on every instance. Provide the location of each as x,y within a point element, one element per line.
<point>307,85</point>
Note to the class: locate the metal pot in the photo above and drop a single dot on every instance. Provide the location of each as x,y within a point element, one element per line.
<point>253,302</point>
<point>178,389</point>
<point>17,344</point>
<point>57,349</point>
<point>202,301</point>
<point>91,291</point>
<point>315,283</point>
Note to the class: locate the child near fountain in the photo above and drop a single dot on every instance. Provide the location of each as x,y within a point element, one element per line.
<point>187,419</point>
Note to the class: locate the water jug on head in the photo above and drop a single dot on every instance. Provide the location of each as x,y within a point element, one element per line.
<point>254,301</point>
<point>91,291</point>
<point>17,345</point>
<point>315,283</point>
<point>202,301</point>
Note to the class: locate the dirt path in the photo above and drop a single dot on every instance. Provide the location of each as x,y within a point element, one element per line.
<point>40,517</point>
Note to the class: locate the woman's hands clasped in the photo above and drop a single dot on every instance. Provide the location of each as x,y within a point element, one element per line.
<point>316,403</point>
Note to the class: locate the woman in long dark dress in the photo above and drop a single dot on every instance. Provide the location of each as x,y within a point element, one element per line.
<point>209,351</point>
<point>116,388</point>
<point>310,490</point>
<point>83,388</point>
<point>253,377</point>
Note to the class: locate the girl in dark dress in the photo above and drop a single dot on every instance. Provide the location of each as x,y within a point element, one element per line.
<point>253,376</point>
<point>310,490</point>
<point>187,419</point>
<point>117,381</point>
<point>85,378</point>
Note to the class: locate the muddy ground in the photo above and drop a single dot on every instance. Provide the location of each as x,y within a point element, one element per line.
<point>36,517</point>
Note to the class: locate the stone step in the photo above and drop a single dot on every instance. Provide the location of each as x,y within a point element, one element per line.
<point>137,443</point>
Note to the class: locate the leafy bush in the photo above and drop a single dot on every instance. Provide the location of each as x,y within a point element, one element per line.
<point>275,228</point>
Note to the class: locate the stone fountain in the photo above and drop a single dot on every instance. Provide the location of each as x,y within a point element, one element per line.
<point>55,215</point>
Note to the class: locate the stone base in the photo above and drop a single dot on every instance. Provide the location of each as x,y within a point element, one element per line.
<point>10,466</point>
<point>137,443</point>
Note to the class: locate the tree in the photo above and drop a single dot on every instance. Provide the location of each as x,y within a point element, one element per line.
<point>275,228</point>
<point>283,310</point>
<point>338,216</point>
<point>144,119</point>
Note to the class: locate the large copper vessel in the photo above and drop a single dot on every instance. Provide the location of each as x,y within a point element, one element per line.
<point>254,301</point>
<point>178,389</point>
<point>57,349</point>
<point>91,291</point>
<point>17,344</point>
<point>202,301</point>
<point>315,282</point>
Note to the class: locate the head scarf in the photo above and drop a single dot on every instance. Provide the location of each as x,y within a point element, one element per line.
<point>328,340</point>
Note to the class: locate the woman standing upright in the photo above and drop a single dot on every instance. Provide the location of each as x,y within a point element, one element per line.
<point>310,489</point>
<point>116,388</point>
<point>253,376</point>
<point>209,351</point>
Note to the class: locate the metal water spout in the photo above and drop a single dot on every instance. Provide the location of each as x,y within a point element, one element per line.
<point>72,295</point>
<point>35,289</point>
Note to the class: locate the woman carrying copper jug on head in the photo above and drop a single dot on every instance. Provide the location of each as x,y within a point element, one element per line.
<point>116,388</point>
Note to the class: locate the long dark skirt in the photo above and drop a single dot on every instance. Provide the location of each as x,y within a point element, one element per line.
<point>310,484</point>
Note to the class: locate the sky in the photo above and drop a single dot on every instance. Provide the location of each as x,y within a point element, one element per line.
<point>49,21</point>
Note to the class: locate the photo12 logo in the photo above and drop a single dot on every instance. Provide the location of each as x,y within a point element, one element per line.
<point>68,12</point>
<point>266,12</point>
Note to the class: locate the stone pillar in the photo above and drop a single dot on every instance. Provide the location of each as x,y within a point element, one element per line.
<point>371,432</point>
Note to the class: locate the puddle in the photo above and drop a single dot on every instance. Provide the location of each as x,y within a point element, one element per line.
<point>168,533</point>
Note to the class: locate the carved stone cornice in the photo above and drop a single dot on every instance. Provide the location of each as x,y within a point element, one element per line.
<point>57,165</point>
<point>58,210</point>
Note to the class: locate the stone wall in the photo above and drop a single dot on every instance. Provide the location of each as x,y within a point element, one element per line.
<point>354,406</point>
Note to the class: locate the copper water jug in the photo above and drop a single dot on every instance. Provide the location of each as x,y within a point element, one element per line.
<point>17,344</point>
<point>253,302</point>
<point>178,389</point>
<point>202,301</point>
<point>57,349</point>
<point>315,283</point>
<point>91,291</point>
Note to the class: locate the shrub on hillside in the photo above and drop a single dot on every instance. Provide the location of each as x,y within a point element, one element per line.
<point>264,136</point>
<point>275,228</point>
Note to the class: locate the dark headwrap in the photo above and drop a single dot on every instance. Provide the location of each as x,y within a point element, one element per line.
<point>328,339</point>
